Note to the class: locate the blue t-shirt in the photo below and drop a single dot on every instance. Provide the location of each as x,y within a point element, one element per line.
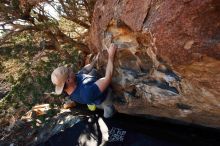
<point>87,92</point>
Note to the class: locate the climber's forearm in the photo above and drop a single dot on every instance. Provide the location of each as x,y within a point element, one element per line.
<point>104,82</point>
<point>87,68</point>
<point>109,69</point>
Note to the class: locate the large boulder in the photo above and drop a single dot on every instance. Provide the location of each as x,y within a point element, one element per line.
<point>168,57</point>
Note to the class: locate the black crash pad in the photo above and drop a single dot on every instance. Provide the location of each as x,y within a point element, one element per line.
<point>125,130</point>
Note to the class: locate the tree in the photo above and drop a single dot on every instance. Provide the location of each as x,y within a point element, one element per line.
<point>18,16</point>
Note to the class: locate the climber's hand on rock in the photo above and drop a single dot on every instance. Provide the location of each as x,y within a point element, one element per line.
<point>112,50</point>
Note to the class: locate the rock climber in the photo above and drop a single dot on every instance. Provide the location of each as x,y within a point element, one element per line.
<point>84,87</point>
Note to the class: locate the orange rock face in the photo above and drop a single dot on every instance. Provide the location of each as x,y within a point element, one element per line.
<point>168,57</point>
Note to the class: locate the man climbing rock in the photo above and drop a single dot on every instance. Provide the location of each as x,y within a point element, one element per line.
<point>84,87</point>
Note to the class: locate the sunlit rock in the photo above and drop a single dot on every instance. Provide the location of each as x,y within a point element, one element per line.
<point>167,62</point>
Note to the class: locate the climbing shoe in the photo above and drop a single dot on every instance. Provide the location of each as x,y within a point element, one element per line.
<point>91,107</point>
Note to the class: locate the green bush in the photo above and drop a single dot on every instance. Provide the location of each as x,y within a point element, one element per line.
<point>34,80</point>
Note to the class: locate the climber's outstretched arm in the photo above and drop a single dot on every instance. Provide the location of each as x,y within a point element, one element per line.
<point>88,68</point>
<point>104,82</point>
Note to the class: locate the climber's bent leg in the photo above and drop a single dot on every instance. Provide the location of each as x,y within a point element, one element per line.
<point>107,105</point>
